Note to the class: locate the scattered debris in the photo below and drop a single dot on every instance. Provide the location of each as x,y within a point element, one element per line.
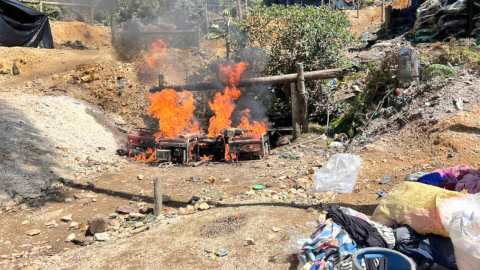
<point>249,242</point>
<point>101,237</point>
<point>124,210</point>
<point>452,154</point>
<point>140,177</point>
<point>275,229</point>
<point>384,180</point>
<point>70,237</point>
<point>66,218</point>
<point>204,206</point>
<point>258,187</point>
<point>15,69</point>
<point>97,224</point>
<point>210,180</point>
<point>33,232</point>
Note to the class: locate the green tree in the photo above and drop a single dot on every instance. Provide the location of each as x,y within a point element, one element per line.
<point>315,36</point>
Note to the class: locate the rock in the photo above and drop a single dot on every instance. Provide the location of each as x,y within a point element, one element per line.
<point>98,224</point>
<point>123,210</point>
<point>101,236</point>
<point>136,215</point>
<point>275,229</point>
<point>115,224</point>
<point>275,197</point>
<point>140,176</point>
<point>282,186</point>
<point>182,211</point>
<point>203,206</point>
<point>70,237</point>
<point>66,218</point>
<point>4,257</point>
<point>15,69</point>
<point>140,230</point>
<point>226,180</point>
<point>33,232</point>
<point>25,222</point>
<point>86,195</point>
<point>83,227</point>
<point>51,223</point>
<point>310,210</point>
<point>210,180</point>
<point>74,225</point>
<point>249,242</point>
<point>283,177</point>
<point>311,170</point>
<point>166,198</point>
<point>138,224</point>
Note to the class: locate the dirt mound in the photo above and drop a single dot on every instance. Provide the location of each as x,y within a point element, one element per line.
<point>89,35</point>
<point>45,138</point>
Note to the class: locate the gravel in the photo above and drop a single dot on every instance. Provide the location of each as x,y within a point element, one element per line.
<point>46,138</point>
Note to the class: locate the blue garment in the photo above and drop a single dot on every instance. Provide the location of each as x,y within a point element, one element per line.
<point>433,179</point>
<point>430,248</point>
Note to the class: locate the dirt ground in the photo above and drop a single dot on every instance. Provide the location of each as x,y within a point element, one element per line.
<point>236,212</point>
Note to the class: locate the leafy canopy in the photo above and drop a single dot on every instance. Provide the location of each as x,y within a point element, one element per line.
<point>315,36</point>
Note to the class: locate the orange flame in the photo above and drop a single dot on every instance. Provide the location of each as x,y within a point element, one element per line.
<point>255,129</point>
<point>228,156</point>
<point>143,156</point>
<point>209,158</point>
<point>174,111</point>
<point>158,50</point>
<point>222,104</point>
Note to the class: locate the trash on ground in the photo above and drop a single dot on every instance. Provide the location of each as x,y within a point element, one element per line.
<point>339,174</point>
<point>384,180</point>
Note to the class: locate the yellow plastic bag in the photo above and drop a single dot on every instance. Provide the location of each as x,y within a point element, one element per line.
<point>414,204</point>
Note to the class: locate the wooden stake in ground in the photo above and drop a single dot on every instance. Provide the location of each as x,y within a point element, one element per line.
<point>158,194</point>
<point>295,110</point>
<point>302,98</point>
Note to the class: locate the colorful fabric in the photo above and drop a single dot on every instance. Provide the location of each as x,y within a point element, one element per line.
<point>470,182</point>
<point>329,246</point>
<point>442,179</point>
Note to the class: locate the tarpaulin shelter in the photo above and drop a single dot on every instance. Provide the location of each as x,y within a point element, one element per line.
<point>23,26</point>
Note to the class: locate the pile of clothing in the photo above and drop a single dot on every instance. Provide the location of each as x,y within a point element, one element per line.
<point>458,178</point>
<point>345,231</point>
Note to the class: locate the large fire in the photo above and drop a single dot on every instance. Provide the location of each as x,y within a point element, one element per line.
<point>174,111</point>
<point>223,103</point>
<point>255,129</point>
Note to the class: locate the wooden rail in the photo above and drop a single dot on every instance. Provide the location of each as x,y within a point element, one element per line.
<point>41,3</point>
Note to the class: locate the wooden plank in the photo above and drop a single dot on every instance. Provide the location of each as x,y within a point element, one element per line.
<point>279,79</point>
<point>158,197</point>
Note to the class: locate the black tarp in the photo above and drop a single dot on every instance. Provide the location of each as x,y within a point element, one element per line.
<point>23,26</point>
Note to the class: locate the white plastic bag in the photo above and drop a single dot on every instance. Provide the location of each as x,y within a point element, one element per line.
<point>448,206</point>
<point>339,174</point>
<point>292,242</point>
<point>465,234</point>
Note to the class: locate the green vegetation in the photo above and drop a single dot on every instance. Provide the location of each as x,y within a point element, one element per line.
<point>439,71</point>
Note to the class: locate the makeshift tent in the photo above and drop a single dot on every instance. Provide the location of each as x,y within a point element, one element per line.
<point>23,26</point>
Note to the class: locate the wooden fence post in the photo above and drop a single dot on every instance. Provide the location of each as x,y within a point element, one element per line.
<point>302,98</point>
<point>383,11</point>
<point>158,197</point>
<point>239,10</point>
<point>40,5</point>
<point>358,9</point>
<point>295,110</point>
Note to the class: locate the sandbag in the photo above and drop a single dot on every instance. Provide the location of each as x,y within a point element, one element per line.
<point>413,204</point>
